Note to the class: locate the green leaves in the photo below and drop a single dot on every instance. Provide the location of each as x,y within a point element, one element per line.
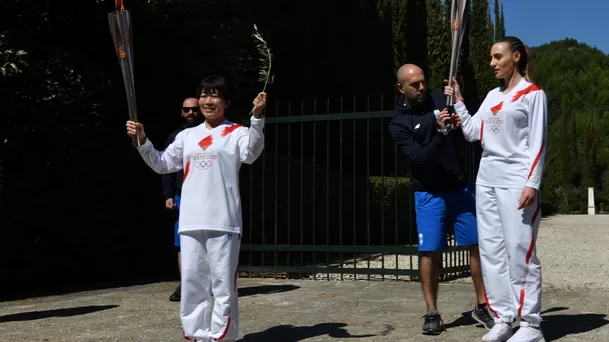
<point>266,58</point>
<point>11,62</point>
<point>392,13</point>
<point>481,40</point>
<point>574,76</point>
<point>499,21</point>
<point>438,44</point>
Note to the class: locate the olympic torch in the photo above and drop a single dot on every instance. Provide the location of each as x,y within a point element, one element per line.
<point>122,36</point>
<point>458,15</point>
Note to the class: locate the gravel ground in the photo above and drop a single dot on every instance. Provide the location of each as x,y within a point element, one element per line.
<point>572,249</point>
<point>289,311</point>
<point>574,252</point>
<point>386,261</point>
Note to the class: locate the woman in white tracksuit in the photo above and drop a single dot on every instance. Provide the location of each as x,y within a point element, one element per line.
<point>210,208</point>
<point>511,125</point>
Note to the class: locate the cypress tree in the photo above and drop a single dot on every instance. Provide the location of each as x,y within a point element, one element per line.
<point>393,14</point>
<point>438,44</point>
<point>502,23</point>
<point>499,28</point>
<point>481,34</point>
<point>416,12</point>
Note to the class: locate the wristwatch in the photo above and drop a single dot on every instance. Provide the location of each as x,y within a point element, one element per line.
<point>443,130</point>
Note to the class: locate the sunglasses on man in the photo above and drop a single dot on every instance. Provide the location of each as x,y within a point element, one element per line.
<point>188,109</point>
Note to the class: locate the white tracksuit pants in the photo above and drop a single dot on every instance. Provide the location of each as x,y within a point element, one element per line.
<point>210,260</point>
<point>510,267</point>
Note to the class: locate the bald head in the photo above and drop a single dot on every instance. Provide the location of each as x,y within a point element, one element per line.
<point>411,83</point>
<point>408,71</point>
<point>190,102</point>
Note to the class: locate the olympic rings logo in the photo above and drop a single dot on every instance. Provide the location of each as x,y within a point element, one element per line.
<point>203,164</point>
<point>494,129</point>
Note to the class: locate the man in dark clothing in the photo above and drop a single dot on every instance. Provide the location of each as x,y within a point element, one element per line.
<point>172,183</point>
<point>3,140</point>
<point>1,181</point>
<point>443,195</point>
<point>2,169</point>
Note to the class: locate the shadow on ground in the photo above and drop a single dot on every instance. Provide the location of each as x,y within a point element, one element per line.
<point>554,326</point>
<point>558,326</point>
<point>465,320</point>
<point>68,312</point>
<point>265,289</point>
<point>290,333</point>
<point>76,285</point>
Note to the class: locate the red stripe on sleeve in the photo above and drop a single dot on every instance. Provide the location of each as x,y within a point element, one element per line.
<point>186,170</point>
<point>537,159</point>
<point>228,130</point>
<point>525,91</point>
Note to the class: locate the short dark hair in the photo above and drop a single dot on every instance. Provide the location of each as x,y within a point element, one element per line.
<point>217,83</point>
<point>524,64</point>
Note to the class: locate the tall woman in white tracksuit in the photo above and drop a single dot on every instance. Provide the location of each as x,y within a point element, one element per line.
<point>511,125</point>
<point>210,214</point>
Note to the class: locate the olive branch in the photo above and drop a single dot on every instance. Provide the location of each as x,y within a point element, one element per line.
<point>266,59</point>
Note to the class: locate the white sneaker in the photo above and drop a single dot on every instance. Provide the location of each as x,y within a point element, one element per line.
<point>527,334</point>
<point>499,333</point>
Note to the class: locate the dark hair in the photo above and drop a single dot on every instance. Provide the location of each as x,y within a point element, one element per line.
<point>217,83</point>
<point>524,64</point>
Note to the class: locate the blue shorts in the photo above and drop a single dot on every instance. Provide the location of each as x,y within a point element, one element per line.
<point>436,212</point>
<point>176,226</point>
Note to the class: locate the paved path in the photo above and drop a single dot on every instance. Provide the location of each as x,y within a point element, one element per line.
<point>573,251</point>
<point>287,311</point>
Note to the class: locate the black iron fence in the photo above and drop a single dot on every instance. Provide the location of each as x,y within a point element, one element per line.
<point>330,197</point>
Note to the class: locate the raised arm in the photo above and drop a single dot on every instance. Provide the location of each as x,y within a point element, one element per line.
<point>251,141</point>
<point>161,162</point>
<point>167,161</point>
<point>471,126</point>
<point>537,138</point>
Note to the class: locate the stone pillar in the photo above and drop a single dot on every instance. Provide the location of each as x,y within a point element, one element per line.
<point>591,209</point>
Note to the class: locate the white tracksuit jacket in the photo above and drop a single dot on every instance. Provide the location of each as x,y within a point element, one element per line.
<point>512,129</point>
<point>210,222</point>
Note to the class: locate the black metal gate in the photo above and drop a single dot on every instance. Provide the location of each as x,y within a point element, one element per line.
<point>330,198</point>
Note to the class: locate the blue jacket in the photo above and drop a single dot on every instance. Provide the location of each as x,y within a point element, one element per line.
<point>435,163</point>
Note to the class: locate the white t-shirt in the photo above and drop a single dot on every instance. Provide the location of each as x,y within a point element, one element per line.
<point>211,160</point>
<point>512,129</point>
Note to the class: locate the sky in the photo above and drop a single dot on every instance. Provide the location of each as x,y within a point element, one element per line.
<point>537,22</point>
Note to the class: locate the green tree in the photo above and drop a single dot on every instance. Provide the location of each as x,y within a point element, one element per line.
<point>490,29</point>
<point>499,23</point>
<point>481,34</point>
<point>588,142</point>
<point>12,61</point>
<point>393,14</point>
<point>438,44</point>
<point>574,77</point>
<point>502,22</point>
<point>416,12</point>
